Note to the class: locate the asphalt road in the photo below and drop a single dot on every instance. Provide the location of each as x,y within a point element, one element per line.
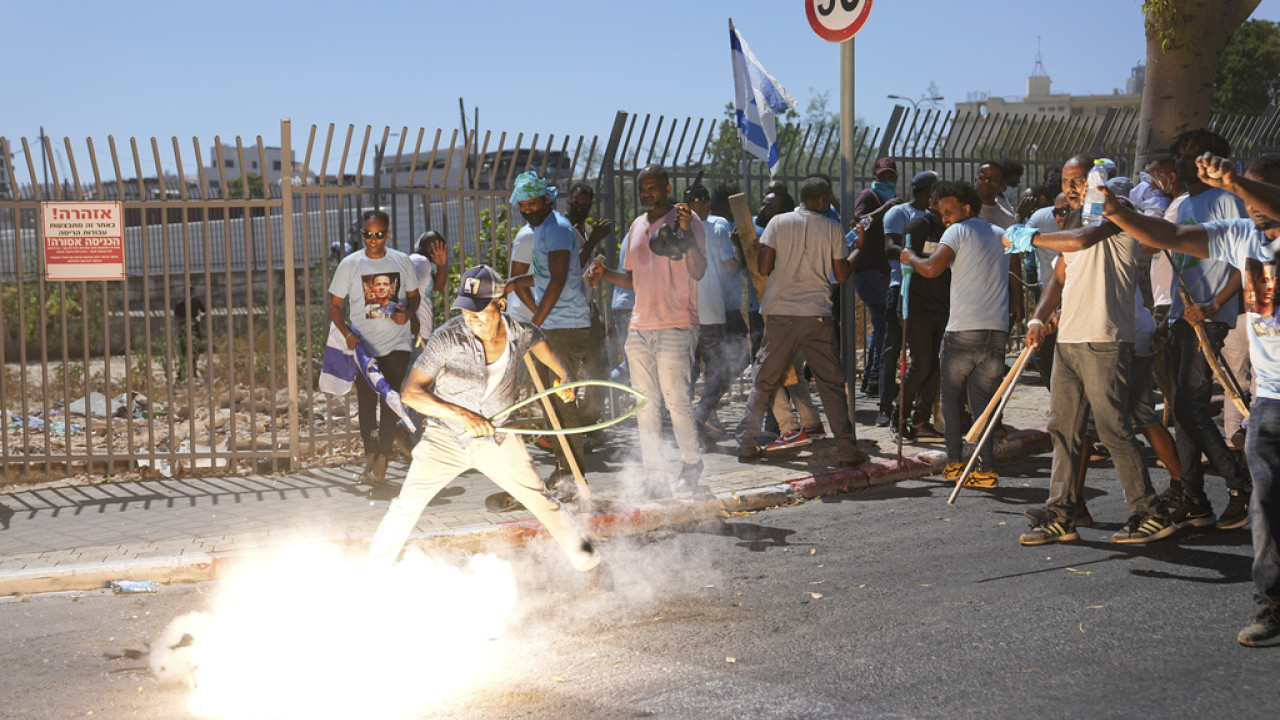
<point>880,604</point>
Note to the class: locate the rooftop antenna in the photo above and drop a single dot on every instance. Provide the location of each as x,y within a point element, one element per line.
<point>1038,70</point>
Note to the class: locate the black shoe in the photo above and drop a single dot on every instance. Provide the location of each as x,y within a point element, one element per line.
<point>1143,529</point>
<point>1264,631</point>
<point>883,419</point>
<point>1045,530</point>
<point>1191,512</point>
<point>375,471</point>
<point>1039,516</point>
<point>908,433</point>
<point>1236,514</point>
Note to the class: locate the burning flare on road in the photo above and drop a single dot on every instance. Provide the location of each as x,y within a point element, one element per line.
<point>311,634</point>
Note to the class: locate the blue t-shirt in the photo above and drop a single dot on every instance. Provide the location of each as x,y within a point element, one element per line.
<point>979,276</point>
<point>1239,244</point>
<point>623,298</point>
<point>1044,221</point>
<point>572,309</point>
<point>711,305</point>
<point>375,290</point>
<point>1205,278</point>
<point>895,223</point>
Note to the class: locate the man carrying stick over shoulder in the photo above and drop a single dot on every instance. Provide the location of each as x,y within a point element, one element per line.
<point>1094,283</point>
<point>1253,246</point>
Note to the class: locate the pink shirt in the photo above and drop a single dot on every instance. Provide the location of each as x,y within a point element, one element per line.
<point>666,294</point>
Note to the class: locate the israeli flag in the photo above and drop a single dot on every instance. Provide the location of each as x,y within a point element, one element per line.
<point>757,96</point>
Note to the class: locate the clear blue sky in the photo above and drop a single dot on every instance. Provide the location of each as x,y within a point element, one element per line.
<point>233,67</point>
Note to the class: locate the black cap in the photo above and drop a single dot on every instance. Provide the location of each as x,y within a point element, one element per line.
<point>478,287</point>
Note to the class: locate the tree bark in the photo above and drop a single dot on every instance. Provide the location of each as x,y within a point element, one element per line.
<point>1178,91</point>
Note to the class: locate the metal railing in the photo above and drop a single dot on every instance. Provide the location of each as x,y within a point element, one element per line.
<point>257,252</point>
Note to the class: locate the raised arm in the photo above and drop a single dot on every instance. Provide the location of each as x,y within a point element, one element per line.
<point>1156,232</point>
<point>1220,172</point>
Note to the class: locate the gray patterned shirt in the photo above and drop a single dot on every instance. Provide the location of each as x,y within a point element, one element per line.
<point>454,360</point>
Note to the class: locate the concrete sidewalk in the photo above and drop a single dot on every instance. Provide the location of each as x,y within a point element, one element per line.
<point>60,536</point>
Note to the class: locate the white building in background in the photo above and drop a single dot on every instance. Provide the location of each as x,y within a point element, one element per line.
<point>1041,100</point>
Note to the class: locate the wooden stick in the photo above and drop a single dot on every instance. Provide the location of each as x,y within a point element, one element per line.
<point>980,423</point>
<point>584,492</point>
<point>746,226</point>
<point>986,434</point>
<point>1223,374</point>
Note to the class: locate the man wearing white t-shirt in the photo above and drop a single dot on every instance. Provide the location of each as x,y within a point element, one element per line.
<point>1251,245</point>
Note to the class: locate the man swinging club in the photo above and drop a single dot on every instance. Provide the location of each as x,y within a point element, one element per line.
<point>470,370</point>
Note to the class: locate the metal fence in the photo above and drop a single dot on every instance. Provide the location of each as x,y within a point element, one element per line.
<point>257,252</point>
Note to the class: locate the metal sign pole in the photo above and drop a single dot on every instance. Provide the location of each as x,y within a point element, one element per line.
<point>848,306</point>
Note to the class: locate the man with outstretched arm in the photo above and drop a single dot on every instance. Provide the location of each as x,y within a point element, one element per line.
<point>471,370</point>
<point>1094,283</point>
<point>1252,245</point>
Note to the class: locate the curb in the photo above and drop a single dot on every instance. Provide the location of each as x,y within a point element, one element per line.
<point>613,520</point>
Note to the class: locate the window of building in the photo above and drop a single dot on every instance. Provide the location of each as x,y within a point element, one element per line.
<point>275,165</point>
<point>229,163</point>
<point>1077,112</point>
<point>254,165</point>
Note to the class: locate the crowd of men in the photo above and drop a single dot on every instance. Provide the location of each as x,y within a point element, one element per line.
<point>942,273</point>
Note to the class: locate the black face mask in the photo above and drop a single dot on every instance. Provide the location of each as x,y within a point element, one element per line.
<point>535,219</point>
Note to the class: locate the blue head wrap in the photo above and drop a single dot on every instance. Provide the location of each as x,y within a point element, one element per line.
<point>529,186</point>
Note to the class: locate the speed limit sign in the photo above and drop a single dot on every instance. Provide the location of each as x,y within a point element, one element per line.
<point>837,20</point>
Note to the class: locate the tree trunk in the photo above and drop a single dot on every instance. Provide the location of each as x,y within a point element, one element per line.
<point>1178,90</point>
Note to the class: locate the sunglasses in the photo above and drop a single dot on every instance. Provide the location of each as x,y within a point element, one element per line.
<point>383,235</point>
<point>1061,212</point>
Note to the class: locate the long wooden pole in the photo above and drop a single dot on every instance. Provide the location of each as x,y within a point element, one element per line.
<point>986,434</point>
<point>583,490</point>
<point>980,423</point>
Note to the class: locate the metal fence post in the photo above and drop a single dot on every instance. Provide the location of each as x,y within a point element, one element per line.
<point>290,289</point>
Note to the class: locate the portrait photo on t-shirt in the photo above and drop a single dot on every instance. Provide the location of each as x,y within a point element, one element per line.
<point>381,292</point>
<point>1262,296</point>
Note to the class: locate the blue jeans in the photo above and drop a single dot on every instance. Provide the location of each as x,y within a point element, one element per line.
<point>1095,377</point>
<point>976,356</point>
<point>1262,448</point>
<point>872,287</point>
<point>1196,431</point>
<point>661,363</point>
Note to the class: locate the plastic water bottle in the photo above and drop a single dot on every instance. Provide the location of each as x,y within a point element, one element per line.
<point>1092,214</point>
